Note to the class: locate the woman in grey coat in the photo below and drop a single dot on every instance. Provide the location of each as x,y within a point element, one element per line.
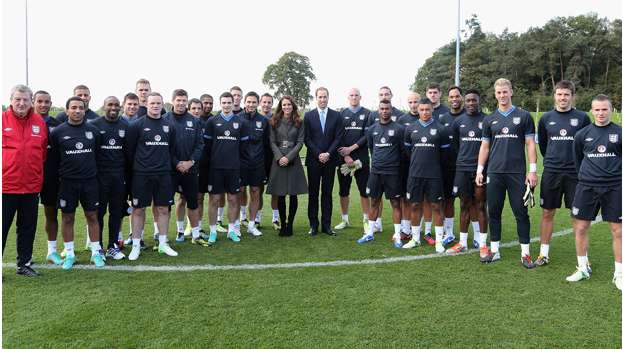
<point>286,174</point>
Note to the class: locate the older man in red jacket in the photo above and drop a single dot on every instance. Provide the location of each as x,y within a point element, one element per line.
<point>24,148</point>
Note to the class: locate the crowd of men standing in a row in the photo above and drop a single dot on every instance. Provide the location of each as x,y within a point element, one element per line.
<point>138,155</point>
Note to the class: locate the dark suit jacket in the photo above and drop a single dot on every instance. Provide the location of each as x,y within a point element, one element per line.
<point>319,142</point>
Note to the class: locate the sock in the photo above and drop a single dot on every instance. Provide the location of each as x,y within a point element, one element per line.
<point>463,239</point>
<point>180,226</point>
<point>200,224</point>
<point>397,228</point>
<point>243,212</point>
<point>365,217</point>
<point>51,247</point>
<point>583,263</point>
<point>95,248</point>
<point>404,225</point>
<point>415,232</point>
<point>495,246</point>
<point>69,248</point>
<point>379,222</point>
<point>275,215</point>
<point>120,236</point>
<point>345,218</point>
<point>162,239</point>
<point>428,226</point>
<point>156,230</point>
<point>220,212</point>
<point>258,216</point>
<point>476,228</point>
<point>483,239</point>
<point>618,268</point>
<point>371,227</point>
<point>448,226</point>
<point>195,233</point>
<point>213,229</point>
<point>230,226</point>
<point>136,243</point>
<point>525,249</point>
<point>438,234</point>
<point>251,225</point>
<point>544,250</point>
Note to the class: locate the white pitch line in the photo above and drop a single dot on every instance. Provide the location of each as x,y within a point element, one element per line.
<point>339,263</point>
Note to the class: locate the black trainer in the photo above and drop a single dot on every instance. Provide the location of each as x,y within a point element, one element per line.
<point>27,271</point>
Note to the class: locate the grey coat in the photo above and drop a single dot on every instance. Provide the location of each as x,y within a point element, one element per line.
<point>287,140</point>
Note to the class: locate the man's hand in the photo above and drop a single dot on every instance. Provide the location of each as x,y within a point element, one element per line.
<point>184,166</point>
<point>532,179</point>
<point>324,157</point>
<point>344,151</point>
<point>283,162</point>
<point>479,179</point>
<point>348,160</point>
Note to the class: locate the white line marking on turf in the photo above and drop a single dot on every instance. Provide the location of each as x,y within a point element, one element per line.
<point>339,263</point>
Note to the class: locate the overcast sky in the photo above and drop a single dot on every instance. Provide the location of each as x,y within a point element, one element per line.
<point>207,47</point>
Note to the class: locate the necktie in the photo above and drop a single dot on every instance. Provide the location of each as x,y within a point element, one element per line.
<point>322,120</point>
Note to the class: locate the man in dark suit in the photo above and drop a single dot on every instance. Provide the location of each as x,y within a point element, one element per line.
<point>323,131</point>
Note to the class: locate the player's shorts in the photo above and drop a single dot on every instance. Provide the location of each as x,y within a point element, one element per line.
<point>187,184</point>
<point>253,177</point>
<point>447,177</point>
<point>157,187</point>
<point>465,184</point>
<point>222,181</point>
<point>589,200</point>
<point>418,187</point>
<point>84,191</point>
<point>554,186</point>
<point>384,183</point>
<point>361,178</point>
<point>49,192</point>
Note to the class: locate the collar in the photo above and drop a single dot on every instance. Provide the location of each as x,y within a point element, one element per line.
<point>324,110</point>
<point>508,112</point>
<point>426,123</point>
<point>355,110</point>
<point>227,117</point>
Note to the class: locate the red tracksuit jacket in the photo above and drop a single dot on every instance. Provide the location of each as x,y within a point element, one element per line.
<point>24,149</point>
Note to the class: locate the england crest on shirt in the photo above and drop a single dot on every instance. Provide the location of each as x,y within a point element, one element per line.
<point>362,117</point>
<point>573,122</point>
<point>165,128</point>
<point>516,120</point>
<point>433,131</point>
<point>393,117</point>
<point>613,138</point>
<point>88,134</point>
<point>258,124</point>
<point>35,129</point>
<point>189,123</point>
<point>236,125</point>
<point>480,125</point>
<point>121,133</point>
<point>390,133</point>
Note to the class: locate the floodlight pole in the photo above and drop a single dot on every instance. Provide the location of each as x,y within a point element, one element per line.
<point>26,19</point>
<point>457,78</point>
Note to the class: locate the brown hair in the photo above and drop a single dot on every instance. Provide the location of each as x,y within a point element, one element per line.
<point>276,119</point>
<point>565,84</point>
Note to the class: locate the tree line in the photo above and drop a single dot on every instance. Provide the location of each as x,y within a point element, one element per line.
<point>585,49</point>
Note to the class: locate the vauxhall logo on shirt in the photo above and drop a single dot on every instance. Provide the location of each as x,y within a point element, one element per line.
<point>505,133</point>
<point>79,149</point>
<point>157,140</point>
<point>227,134</point>
<point>112,145</point>
<point>563,135</point>
<point>601,151</point>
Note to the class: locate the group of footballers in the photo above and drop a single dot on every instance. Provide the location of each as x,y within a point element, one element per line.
<point>137,155</point>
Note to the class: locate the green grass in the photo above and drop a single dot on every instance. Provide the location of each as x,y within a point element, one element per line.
<point>439,303</point>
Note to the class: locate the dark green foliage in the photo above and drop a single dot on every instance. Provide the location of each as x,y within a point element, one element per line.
<point>290,76</point>
<point>585,49</point>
